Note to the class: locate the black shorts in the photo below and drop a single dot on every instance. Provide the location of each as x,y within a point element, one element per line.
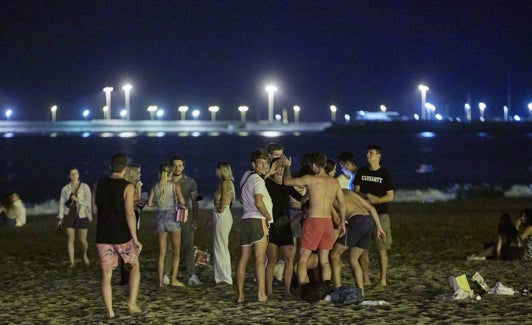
<point>281,236</point>
<point>358,232</point>
<point>76,222</point>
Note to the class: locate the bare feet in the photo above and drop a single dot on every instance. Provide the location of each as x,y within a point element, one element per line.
<point>240,300</point>
<point>72,264</point>
<point>176,283</point>
<point>262,298</point>
<point>110,314</point>
<point>86,260</point>
<point>135,309</point>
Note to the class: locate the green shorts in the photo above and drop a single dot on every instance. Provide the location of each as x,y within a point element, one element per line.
<point>251,231</point>
<point>386,227</point>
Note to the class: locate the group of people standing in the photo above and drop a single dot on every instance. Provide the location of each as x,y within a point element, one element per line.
<point>333,218</point>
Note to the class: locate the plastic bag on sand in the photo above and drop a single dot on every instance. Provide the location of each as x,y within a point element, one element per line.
<point>373,303</point>
<point>479,281</point>
<point>501,289</point>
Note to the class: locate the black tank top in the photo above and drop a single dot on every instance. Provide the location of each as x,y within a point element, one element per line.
<point>112,225</point>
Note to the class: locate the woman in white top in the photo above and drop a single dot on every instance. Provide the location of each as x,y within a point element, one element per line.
<point>75,213</point>
<point>222,220</point>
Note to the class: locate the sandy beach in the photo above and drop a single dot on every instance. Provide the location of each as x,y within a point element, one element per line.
<point>431,242</point>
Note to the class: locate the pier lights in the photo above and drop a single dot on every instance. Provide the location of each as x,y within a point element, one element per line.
<point>213,110</point>
<point>53,109</point>
<point>123,114</point>
<point>195,114</point>
<point>530,112</point>
<point>423,89</point>
<point>297,109</point>
<point>431,109</point>
<point>383,108</point>
<point>505,112</point>
<point>86,113</point>
<point>152,109</point>
<point>8,113</point>
<point>467,109</point>
<point>347,118</point>
<point>243,109</point>
<point>482,108</point>
<point>127,88</point>
<point>270,89</point>
<point>105,110</point>
<point>333,112</point>
<point>160,114</point>
<point>107,91</point>
<point>183,111</point>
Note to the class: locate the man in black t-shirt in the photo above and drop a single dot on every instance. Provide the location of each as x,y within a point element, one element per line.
<point>375,182</point>
<point>116,232</point>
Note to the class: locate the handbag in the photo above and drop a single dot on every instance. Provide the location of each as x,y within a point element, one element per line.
<point>181,213</point>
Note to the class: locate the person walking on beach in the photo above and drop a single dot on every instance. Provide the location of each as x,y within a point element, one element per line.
<point>362,219</point>
<point>116,232</point>
<point>75,213</point>
<point>317,232</point>
<point>222,221</point>
<point>375,181</point>
<point>256,216</point>
<point>189,188</point>
<point>166,195</point>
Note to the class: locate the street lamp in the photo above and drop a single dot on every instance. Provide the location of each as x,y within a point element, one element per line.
<point>54,112</point>
<point>505,112</point>
<point>126,89</point>
<point>183,110</point>
<point>423,89</point>
<point>467,109</point>
<point>195,114</point>
<point>481,107</point>
<point>8,113</point>
<point>296,113</point>
<point>152,110</point>
<point>270,89</point>
<point>86,113</point>
<point>107,91</point>
<point>160,114</point>
<point>105,110</point>
<point>213,110</point>
<point>431,109</point>
<point>123,114</point>
<point>530,111</point>
<point>333,112</point>
<point>383,108</point>
<point>243,110</point>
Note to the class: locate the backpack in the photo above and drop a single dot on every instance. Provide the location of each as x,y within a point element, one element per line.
<point>316,291</point>
<point>346,295</point>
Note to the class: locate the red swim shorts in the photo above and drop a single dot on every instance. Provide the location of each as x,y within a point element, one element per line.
<point>317,233</point>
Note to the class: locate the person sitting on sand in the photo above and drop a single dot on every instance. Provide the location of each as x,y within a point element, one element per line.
<point>166,195</point>
<point>15,211</point>
<point>363,218</point>
<point>524,227</point>
<point>509,245</point>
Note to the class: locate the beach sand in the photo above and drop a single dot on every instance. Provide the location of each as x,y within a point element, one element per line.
<point>430,244</point>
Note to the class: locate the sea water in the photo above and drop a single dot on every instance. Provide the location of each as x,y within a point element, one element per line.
<point>425,167</point>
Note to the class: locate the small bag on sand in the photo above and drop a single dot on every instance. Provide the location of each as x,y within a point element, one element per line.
<point>316,291</point>
<point>345,295</point>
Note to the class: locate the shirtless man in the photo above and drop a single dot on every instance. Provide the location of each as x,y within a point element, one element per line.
<point>317,232</point>
<point>362,217</point>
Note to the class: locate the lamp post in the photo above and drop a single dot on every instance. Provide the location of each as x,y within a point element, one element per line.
<point>431,109</point>
<point>8,113</point>
<point>333,112</point>
<point>152,110</point>
<point>481,107</point>
<point>297,109</point>
<point>53,109</point>
<point>243,109</point>
<point>86,114</point>
<point>530,112</point>
<point>467,109</point>
<point>183,110</point>
<point>383,108</point>
<point>105,110</point>
<point>213,110</point>
<point>123,114</point>
<point>423,89</point>
<point>160,113</point>
<point>195,114</point>
<point>505,113</point>
<point>270,89</point>
<point>107,91</point>
<point>127,89</point>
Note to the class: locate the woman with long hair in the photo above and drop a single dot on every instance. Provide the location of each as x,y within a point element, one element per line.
<point>75,213</point>
<point>167,195</point>
<point>222,220</point>
<point>524,227</point>
<point>509,244</point>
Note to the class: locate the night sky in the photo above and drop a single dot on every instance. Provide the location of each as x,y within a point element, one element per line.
<point>353,54</point>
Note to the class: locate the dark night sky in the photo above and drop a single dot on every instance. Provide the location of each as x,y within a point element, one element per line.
<point>354,54</point>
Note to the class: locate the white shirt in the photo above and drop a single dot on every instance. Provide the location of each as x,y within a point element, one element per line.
<point>254,184</point>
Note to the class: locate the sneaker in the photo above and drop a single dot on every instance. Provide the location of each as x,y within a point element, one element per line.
<point>194,280</point>
<point>166,280</point>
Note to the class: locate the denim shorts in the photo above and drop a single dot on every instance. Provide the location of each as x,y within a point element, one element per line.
<point>166,221</point>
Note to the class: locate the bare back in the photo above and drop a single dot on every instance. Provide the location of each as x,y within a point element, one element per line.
<point>323,191</point>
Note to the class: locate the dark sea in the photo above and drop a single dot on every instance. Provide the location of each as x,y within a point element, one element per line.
<point>425,166</point>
